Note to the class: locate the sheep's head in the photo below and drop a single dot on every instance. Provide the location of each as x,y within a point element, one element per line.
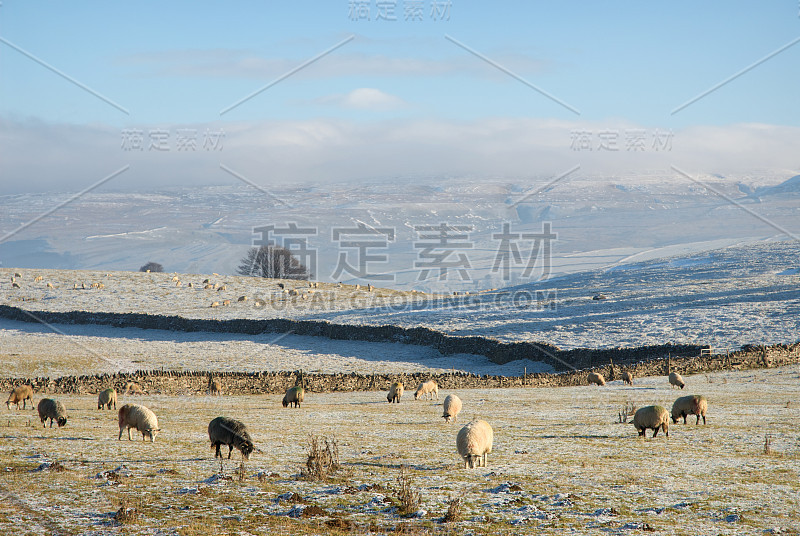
<point>62,421</point>
<point>416,395</point>
<point>152,432</point>
<point>285,402</point>
<point>471,460</point>
<point>247,449</point>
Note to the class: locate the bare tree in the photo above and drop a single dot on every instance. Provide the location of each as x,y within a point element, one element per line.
<point>151,267</point>
<point>272,261</point>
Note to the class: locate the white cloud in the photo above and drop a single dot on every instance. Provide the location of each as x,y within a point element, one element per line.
<point>364,98</point>
<point>40,156</point>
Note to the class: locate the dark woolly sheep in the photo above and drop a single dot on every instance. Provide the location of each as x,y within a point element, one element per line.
<point>225,431</point>
<point>53,410</point>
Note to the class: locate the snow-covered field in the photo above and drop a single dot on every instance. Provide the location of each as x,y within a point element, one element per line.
<point>729,297</point>
<point>35,350</point>
<point>560,464</point>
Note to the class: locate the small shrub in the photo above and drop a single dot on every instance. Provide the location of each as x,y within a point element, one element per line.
<point>323,458</point>
<point>627,410</point>
<point>453,511</point>
<point>126,513</point>
<point>152,267</point>
<point>409,497</point>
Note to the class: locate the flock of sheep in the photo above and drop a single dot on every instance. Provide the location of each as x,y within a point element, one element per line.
<point>656,417</point>
<point>473,442</point>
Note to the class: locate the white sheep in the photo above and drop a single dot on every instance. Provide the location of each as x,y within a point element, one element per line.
<point>395,392</point>
<point>627,378</point>
<point>426,388</point>
<point>139,417</point>
<point>294,396</point>
<point>474,442</point>
<point>22,393</point>
<point>653,417</point>
<point>451,407</point>
<point>53,410</point>
<point>107,398</point>
<point>689,405</point>
<point>676,380</point>
<point>596,378</point>
<point>225,431</point>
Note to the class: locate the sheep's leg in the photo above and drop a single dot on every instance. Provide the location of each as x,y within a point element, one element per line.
<point>120,434</point>
<point>704,419</point>
<point>230,450</point>
<point>655,431</point>
<point>684,417</point>
<point>129,434</point>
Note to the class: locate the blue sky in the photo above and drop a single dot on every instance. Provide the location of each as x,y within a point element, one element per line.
<point>176,65</point>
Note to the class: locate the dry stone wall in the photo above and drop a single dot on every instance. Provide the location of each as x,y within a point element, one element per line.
<point>240,383</point>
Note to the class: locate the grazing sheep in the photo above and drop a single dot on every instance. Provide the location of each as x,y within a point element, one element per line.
<point>689,405</point>
<point>425,388</point>
<point>22,393</point>
<point>395,392</point>
<point>107,398</point>
<point>206,281</point>
<point>133,388</point>
<point>294,292</point>
<point>53,410</point>
<point>178,283</point>
<point>226,302</point>
<point>627,378</point>
<point>139,417</point>
<point>175,278</point>
<point>215,387</point>
<point>50,285</point>
<point>676,380</point>
<point>452,405</point>
<point>294,396</point>
<point>214,304</point>
<point>15,285</point>
<point>225,431</point>
<point>596,378</point>
<point>17,274</point>
<point>223,287</point>
<point>242,298</point>
<point>37,278</point>
<point>190,285</point>
<point>474,442</point>
<point>651,417</point>
<point>281,286</point>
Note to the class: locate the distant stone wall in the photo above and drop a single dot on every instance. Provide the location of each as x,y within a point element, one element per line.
<point>496,351</point>
<point>240,383</point>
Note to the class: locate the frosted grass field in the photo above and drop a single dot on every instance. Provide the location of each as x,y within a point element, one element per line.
<point>560,464</point>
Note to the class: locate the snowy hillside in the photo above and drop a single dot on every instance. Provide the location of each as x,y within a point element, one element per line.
<point>725,298</point>
<point>596,222</point>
